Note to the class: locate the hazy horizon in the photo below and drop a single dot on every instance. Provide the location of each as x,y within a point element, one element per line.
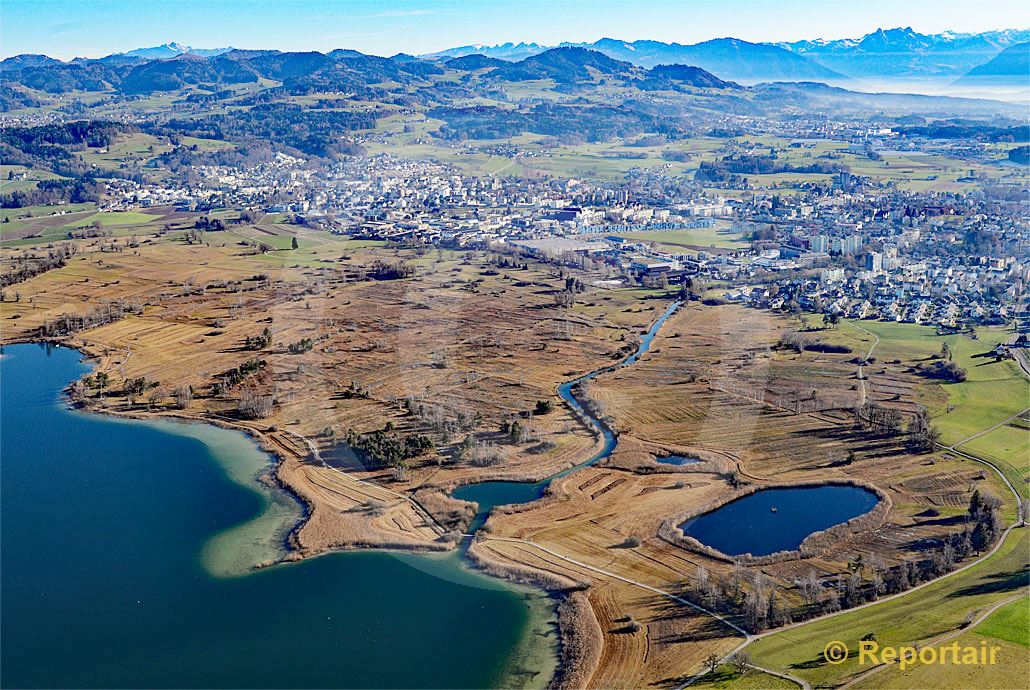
<point>95,28</point>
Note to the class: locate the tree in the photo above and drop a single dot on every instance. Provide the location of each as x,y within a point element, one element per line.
<point>184,397</point>
<point>295,244</point>
<point>981,537</point>
<point>254,406</point>
<point>712,662</point>
<point>543,407</point>
<point>102,379</point>
<point>922,436</point>
<point>976,503</point>
<point>741,661</point>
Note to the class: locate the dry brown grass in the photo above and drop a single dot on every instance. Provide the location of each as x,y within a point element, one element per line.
<point>461,340</point>
<point>474,347</point>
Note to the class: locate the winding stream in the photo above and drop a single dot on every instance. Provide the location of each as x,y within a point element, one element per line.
<point>496,493</point>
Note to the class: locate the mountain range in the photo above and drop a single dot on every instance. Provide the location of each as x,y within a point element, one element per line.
<point>727,58</point>
<point>902,52</point>
<point>170,50</point>
<point>883,54</point>
<point>339,71</point>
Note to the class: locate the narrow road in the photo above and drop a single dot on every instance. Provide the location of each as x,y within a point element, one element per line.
<point>785,676</point>
<point>748,638</point>
<point>627,580</point>
<point>861,370</point>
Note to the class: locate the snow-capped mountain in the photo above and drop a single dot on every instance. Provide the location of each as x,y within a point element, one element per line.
<point>170,50</point>
<point>904,52</point>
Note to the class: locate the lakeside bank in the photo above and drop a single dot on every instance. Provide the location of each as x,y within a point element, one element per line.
<point>181,506</point>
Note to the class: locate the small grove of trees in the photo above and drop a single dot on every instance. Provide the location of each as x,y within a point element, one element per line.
<point>183,397</point>
<point>232,378</point>
<point>67,324</point>
<point>799,342</point>
<point>564,298</point>
<point>382,270</point>
<point>922,436</point>
<point>259,342</point>
<point>22,268</point>
<point>543,407</point>
<point>207,223</point>
<point>251,405</point>
<point>98,381</point>
<point>883,419</point>
<point>388,448</point>
<point>986,520</point>
<point>301,346</point>
<point>137,387</point>
<point>515,431</point>
<point>944,370</point>
<point>793,340</point>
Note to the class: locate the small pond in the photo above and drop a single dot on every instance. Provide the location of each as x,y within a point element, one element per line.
<point>678,460</point>
<point>774,520</point>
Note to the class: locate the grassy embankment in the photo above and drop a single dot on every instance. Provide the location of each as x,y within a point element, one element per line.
<point>939,608</point>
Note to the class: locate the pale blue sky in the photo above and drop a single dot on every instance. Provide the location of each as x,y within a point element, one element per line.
<point>92,28</point>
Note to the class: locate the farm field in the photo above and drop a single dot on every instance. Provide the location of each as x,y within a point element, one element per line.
<point>992,393</point>
<point>61,222</point>
<point>1008,447</point>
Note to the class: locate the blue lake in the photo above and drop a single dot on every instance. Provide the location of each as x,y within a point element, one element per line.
<point>751,525</point>
<point>126,549</point>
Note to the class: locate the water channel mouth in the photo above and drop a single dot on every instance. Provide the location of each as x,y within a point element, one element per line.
<point>496,493</point>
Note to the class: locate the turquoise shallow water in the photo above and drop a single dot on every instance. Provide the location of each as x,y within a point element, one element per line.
<point>119,540</point>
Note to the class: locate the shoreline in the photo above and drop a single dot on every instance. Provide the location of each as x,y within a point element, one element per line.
<point>579,633</point>
<point>580,638</point>
<point>544,604</point>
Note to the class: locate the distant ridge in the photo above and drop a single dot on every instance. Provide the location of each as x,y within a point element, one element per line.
<point>1010,66</point>
<point>726,58</point>
<point>895,53</point>
<point>902,52</point>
